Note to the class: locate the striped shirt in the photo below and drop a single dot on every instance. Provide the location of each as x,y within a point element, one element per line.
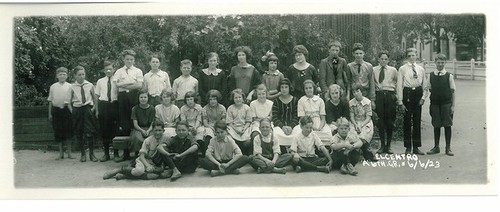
<point>285,114</point>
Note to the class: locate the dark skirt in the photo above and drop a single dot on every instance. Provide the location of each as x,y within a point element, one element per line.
<point>61,123</point>
<point>84,121</point>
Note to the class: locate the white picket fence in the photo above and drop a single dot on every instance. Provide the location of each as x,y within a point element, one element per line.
<point>460,69</point>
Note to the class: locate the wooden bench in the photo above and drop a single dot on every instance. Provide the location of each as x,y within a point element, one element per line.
<point>121,142</point>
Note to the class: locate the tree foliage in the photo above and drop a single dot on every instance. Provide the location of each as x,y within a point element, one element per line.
<point>466,28</point>
<point>42,44</point>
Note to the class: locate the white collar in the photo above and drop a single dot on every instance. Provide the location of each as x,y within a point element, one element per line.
<point>208,72</point>
<point>443,72</point>
<point>275,73</point>
<point>363,102</point>
<point>157,73</point>
<point>83,83</point>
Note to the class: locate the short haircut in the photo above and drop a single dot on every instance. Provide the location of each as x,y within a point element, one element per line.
<point>236,91</point>
<point>244,49</point>
<point>142,92</point>
<point>305,120</point>
<point>285,81</point>
<point>78,68</point>
<point>213,54</point>
<point>383,52</point>
<point>169,94</point>
<point>265,119</point>
<point>356,86</point>
<point>214,93</point>
<point>189,94</point>
<point>128,52</point>
<point>154,56</point>
<point>182,122</point>
<point>335,43</point>
<point>220,124</point>
<point>308,81</point>
<point>157,123</point>
<point>440,57</point>
<point>342,121</point>
<point>358,46</point>
<point>335,87</point>
<point>186,62</point>
<point>410,50</point>
<point>108,63</point>
<point>61,70</point>
<point>300,49</point>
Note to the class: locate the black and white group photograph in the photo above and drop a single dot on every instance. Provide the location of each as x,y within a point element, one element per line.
<point>250,103</point>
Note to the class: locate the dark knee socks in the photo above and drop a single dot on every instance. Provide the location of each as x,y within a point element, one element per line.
<point>437,136</point>
<point>447,136</point>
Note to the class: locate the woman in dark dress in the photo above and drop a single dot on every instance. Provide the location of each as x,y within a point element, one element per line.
<point>212,78</point>
<point>301,71</point>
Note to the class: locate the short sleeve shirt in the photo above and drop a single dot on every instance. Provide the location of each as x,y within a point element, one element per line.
<point>150,144</point>
<point>144,116</point>
<point>59,94</point>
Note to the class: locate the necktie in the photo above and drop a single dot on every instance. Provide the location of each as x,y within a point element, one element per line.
<point>414,71</point>
<point>83,94</point>
<point>359,68</point>
<point>109,89</point>
<point>381,75</point>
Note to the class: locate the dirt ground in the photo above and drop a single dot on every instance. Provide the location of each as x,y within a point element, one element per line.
<point>38,169</point>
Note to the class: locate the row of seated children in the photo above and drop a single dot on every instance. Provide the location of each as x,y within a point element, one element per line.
<point>170,157</point>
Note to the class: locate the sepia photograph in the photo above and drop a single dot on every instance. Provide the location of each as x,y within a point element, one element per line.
<point>240,100</point>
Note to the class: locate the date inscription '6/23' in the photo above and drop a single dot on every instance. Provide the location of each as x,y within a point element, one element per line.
<point>402,160</point>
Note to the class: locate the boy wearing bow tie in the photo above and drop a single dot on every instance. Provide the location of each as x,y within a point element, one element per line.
<point>333,69</point>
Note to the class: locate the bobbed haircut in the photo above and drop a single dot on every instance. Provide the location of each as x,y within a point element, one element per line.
<point>169,94</point>
<point>285,81</point>
<point>236,91</point>
<point>335,87</point>
<point>189,94</point>
<point>214,93</point>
